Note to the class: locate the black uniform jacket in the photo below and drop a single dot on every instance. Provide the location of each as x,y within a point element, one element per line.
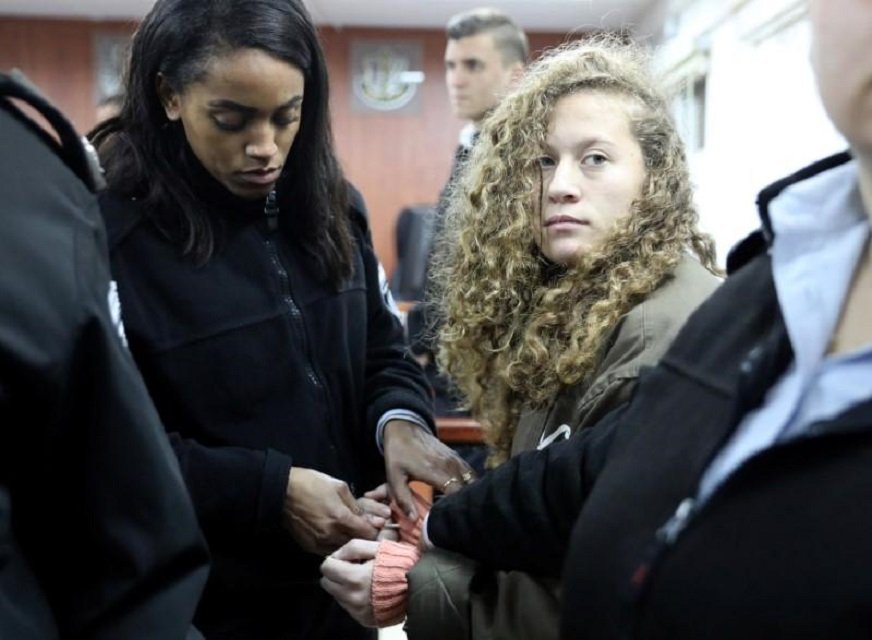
<point>98,537</point>
<point>780,550</point>
<point>255,364</point>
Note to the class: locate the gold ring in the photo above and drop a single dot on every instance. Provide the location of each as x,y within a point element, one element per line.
<point>467,477</point>
<point>446,484</point>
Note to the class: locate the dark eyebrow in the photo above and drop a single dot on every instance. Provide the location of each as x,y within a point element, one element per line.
<point>230,105</point>
<point>465,60</point>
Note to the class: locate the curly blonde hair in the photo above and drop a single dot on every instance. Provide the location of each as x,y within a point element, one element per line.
<point>516,329</point>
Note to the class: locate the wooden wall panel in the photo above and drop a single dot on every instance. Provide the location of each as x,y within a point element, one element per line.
<point>394,159</point>
<point>58,55</point>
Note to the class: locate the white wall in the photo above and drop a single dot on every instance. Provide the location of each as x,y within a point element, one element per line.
<point>763,117</point>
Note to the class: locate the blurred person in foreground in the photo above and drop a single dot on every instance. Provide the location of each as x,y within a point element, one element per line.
<point>98,537</point>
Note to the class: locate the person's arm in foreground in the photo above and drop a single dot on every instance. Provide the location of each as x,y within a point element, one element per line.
<point>395,382</point>
<point>517,517</point>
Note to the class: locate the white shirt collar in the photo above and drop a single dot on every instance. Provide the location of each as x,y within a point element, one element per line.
<point>467,135</point>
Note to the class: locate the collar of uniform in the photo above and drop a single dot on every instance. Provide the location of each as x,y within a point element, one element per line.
<point>215,195</point>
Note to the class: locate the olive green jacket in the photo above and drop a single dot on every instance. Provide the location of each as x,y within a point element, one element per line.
<point>451,597</point>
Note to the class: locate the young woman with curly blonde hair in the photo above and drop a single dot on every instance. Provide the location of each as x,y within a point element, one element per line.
<point>576,209</point>
<point>571,258</point>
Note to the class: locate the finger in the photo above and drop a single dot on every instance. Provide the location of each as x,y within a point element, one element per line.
<point>467,473</point>
<point>374,508</point>
<point>352,522</point>
<point>388,534</point>
<point>380,493</point>
<point>356,551</point>
<point>376,521</point>
<point>335,570</point>
<point>352,526</point>
<point>452,487</point>
<point>461,475</point>
<point>399,488</point>
<point>349,577</point>
<point>358,527</point>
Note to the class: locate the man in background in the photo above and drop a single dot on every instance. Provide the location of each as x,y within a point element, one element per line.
<point>486,53</point>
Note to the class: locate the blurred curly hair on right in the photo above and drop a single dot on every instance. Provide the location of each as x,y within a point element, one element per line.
<point>516,329</point>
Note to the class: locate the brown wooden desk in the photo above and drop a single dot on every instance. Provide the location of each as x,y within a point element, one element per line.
<point>458,430</point>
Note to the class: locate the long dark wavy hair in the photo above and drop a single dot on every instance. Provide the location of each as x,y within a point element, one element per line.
<point>148,157</point>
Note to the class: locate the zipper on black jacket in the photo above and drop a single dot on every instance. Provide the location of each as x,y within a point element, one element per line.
<point>271,211</point>
<point>673,527</point>
<point>687,512</point>
<point>664,538</point>
<point>764,361</point>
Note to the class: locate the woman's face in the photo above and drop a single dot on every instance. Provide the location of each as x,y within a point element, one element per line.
<point>240,118</point>
<point>592,171</point>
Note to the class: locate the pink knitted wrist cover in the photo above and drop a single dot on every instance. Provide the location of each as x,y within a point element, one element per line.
<point>392,561</point>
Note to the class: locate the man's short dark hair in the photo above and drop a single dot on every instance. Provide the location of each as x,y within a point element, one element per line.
<point>509,39</point>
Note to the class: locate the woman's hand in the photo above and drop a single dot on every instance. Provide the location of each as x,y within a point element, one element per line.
<point>375,507</point>
<point>347,576</point>
<point>413,453</point>
<point>322,514</point>
<point>382,512</point>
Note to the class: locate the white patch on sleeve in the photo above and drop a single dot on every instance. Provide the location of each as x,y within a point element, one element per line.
<point>115,311</point>
<point>387,296</point>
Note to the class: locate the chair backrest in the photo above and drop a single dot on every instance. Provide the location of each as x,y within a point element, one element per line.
<point>414,236</point>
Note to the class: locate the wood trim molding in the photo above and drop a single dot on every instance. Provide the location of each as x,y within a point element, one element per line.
<point>459,430</point>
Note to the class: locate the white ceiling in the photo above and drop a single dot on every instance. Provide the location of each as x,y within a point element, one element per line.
<point>642,16</point>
